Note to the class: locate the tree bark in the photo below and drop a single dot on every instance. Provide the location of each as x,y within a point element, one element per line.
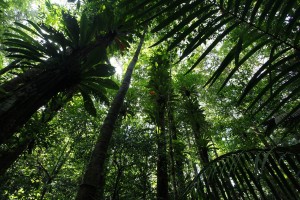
<point>91,182</point>
<point>162,161</point>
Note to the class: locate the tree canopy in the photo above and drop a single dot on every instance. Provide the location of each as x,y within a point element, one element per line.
<point>149,99</point>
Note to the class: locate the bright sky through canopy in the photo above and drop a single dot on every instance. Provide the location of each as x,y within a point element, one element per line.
<point>60,2</point>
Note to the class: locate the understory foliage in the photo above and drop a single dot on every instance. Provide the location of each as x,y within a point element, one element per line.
<point>212,110</point>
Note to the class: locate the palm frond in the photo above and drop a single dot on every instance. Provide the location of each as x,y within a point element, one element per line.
<point>252,25</point>
<point>251,174</point>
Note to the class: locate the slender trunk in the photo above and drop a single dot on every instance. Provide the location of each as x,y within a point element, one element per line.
<point>178,159</point>
<point>162,161</point>
<point>116,185</point>
<point>173,167</point>
<point>61,161</point>
<point>91,182</point>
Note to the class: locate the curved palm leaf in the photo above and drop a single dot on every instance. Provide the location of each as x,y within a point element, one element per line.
<point>251,174</point>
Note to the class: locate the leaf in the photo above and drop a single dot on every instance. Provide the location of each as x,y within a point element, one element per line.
<point>295,92</point>
<point>214,43</point>
<point>27,29</point>
<point>238,49</point>
<point>246,57</point>
<point>246,8</point>
<point>182,24</point>
<point>22,44</point>
<point>285,11</point>
<point>72,28</point>
<point>176,15</point>
<point>84,30</point>
<point>276,79</point>
<point>27,52</point>
<point>95,56</point>
<point>107,83</point>
<point>204,35</point>
<point>186,32</point>
<point>23,35</point>
<point>96,90</point>
<point>272,13</point>
<point>88,103</point>
<point>255,9</point>
<point>100,70</point>
<point>261,73</point>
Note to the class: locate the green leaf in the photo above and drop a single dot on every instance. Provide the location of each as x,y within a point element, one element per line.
<point>28,52</point>
<point>27,28</point>
<point>207,32</point>
<point>176,15</point>
<point>294,92</point>
<point>84,30</point>
<point>107,83</point>
<point>96,90</point>
<point>72,28</point>
<point>214,43</point>
<point>255,9</point>
<point>182,24</point>
<point>246,8</point>
<point>272,13</point>
<point>88,103</point>
<point>95,56</point>
<point>23,35</point>
<point>284,14</point>
<point>22,44</point>
<point>265,11</point>
<point>100,70</point>
<point>272,82</point>
<point>246,57</point>
<point>261,73</point>
<point>186,32</point>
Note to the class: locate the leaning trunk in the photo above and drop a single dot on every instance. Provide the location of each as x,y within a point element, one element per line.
<point>93,176</point>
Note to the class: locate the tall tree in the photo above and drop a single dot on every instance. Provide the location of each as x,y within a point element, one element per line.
<point>92,182</point>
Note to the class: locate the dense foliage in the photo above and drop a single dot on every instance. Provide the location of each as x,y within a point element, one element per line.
<point>149,99</point>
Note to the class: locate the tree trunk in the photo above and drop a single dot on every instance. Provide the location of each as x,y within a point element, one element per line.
<point>91,182</point>
<point>162,161</point>
<point>17,109</point>
<point>178,160</point>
